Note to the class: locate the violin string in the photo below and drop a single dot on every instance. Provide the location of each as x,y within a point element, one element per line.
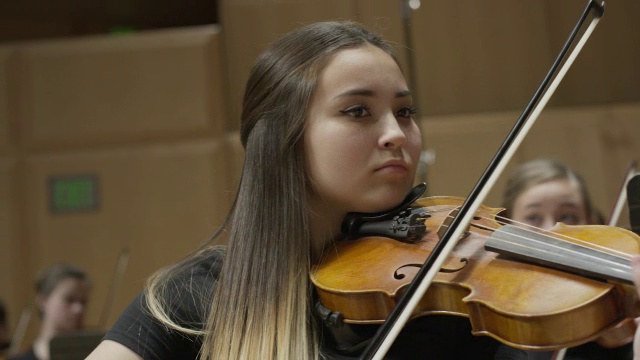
<point>577,241</point>
<point>573,240</point>
<point>621,256</point>
<point>505,221</point>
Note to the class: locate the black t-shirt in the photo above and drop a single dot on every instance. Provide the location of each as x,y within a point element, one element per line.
<point>438,337</point>
<point>29,355</point>
<point>191,289</point>
<point>588,351</point>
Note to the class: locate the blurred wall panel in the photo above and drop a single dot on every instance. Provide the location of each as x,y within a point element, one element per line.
<point>464,145</point>
<point>136,87</point>
<point>7,141</point>
<point>607,69</point>
<point>160,202</point>
<point>472,57</point>
<point>492,55</point>
<point>13,261</point>
<point>622,135</point>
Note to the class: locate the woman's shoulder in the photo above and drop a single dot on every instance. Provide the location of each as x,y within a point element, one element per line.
<point>188,290</point>
<point>203,266</point>
<point>180,299</point>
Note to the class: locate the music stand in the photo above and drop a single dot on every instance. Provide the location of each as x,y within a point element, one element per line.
<point>74,346</point>
<point>633,200</point>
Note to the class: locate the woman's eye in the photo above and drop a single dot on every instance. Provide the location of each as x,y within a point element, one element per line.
<point>356,111</point>
<point>407,112</point>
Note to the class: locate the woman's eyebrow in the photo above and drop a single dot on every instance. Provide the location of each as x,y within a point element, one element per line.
<point>367,92</point>
<point>356,92</point>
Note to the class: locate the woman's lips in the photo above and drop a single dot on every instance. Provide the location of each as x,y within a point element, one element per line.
<point>393,167</point>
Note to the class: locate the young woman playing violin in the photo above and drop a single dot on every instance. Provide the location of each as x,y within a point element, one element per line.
<point>328,129</point>
<point>538,195</point>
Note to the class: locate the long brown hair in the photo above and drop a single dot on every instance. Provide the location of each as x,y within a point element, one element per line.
<point>261,308</point>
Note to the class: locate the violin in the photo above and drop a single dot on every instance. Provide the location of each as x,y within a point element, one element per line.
<point>508,295</point>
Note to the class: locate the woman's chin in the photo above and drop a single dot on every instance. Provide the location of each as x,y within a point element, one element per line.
<point>385,203</point>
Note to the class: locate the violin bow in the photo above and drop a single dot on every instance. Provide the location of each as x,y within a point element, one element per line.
<point>389,330</point>
<point>622,195</point>
<point>116,280</point>
<point>21,329</point>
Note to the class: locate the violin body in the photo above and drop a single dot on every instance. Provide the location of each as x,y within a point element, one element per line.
<point>518,303</point>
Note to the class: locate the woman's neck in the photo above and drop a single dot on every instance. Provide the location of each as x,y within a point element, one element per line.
<point>325,226</point>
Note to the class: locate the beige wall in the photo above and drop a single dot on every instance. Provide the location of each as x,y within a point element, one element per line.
<point>492,55</point>
<point>104,90</point>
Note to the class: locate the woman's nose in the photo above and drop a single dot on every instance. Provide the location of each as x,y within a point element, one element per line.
<point>392,136</point>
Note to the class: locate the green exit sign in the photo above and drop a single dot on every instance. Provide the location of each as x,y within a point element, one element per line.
<point>77,193</point>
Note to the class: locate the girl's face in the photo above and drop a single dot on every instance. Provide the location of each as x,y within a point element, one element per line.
<point>545,204</point>
<point>361,143</point>
<point>64,308</point>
